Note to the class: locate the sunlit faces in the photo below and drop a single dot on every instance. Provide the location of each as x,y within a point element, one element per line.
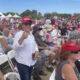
<point>6,31</point>
<point>26,28</point>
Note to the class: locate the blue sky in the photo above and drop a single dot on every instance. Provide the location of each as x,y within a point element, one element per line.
<point>60,6</point>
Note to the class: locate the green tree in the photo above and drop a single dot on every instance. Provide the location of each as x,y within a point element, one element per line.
<point>65,15</point>
<point>12,13</point>
<point>34,14</point>
<point>26,13</point>
<point>39,15</point>
<point>53,14</point>
<point>47,15</point>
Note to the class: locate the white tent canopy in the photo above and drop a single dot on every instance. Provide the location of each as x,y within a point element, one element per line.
<point>2,15</point>
<point>9,15</point>
<point>16,16</point>
<point>55,17</point>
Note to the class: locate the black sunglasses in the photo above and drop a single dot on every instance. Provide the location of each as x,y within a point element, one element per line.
<point>75,52</point>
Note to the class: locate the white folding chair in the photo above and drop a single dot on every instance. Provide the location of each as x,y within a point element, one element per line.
<point>52,77</point>
<point>12,76</point>
<point>11,55</point>
<point>3,59</point>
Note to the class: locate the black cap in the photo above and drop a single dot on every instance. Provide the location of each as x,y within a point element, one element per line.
<point>35,28</point>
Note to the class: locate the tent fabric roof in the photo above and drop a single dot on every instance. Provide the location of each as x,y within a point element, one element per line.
<point>2,15</point>
<point>16,16</point>
<point>9,15</point>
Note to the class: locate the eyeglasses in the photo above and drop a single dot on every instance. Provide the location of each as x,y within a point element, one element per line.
<point>75,52</point>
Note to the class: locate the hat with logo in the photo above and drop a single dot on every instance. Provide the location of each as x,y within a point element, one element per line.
<point>70,46</point>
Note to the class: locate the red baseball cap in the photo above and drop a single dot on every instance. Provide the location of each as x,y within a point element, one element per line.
<point>77,28</point>
<point>40,23</point>
<point>70,46</point>
<point>55,25</point>
<point>27,19</point>
<point>0,25</point>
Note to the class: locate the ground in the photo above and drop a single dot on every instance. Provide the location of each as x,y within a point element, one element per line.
<point>48,75</point>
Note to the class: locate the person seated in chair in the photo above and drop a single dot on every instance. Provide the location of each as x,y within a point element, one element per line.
<point>5,41</point>
<point>44,48</point>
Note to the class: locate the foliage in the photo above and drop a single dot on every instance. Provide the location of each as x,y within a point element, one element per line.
<point>12,13</point>
<point>37,15</point>
<point>34,14</point>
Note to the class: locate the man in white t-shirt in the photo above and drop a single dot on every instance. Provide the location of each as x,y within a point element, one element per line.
<point>26,49</point>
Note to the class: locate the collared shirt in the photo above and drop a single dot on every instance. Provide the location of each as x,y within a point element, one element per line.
<point>24,51</point>
<point>39,40</point>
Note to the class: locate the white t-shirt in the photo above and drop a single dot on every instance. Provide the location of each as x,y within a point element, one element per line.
<point>54,33</point>
<point>24,51</point>
<point>48,21</point>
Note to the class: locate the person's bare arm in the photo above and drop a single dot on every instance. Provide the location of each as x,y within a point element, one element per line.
<point>44,48</point>
<point>4,43</point>
<point>68,72</point>
<point>1,76</point>
<point>50,41</point>
<point>41,47</point>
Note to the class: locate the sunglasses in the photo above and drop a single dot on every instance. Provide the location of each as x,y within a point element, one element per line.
<point>75,52</point>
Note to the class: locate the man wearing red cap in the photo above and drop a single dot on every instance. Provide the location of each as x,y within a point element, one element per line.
<point>25,46</point>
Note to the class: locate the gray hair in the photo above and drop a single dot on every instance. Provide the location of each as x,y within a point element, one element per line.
<point>74,36</point>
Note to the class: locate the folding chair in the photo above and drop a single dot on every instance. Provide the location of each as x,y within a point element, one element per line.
<point>3,59</point>
<point>11,55</point>
<point>52,77</point>
<point>11,75</point>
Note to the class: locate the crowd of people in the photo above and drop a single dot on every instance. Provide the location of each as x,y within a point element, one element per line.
<point>36,43</point>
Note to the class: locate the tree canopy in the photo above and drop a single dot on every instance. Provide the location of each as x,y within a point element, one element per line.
<point>38,15</point>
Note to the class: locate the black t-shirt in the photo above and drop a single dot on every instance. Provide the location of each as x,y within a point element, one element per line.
<point>63,31</point>
<point>0,68</point>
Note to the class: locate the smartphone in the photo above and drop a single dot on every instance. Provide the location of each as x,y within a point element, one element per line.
<point>33,56</point>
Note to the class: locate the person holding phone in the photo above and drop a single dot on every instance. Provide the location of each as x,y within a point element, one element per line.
<point>25,46</point>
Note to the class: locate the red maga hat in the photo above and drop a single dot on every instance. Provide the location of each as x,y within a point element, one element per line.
<point>40,23</point>
<point>0,25</point>
<point>27,19</point>
<point>55,25</point>
<point>77,29</point>
<point>70,46</point>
